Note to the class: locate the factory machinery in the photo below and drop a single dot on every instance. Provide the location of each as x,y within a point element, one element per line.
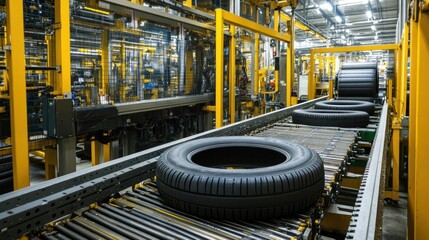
<point>119,199</point>
<point>142,76</point>
<point>138,75</point>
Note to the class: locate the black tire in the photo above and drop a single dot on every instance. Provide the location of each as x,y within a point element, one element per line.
<point>347,105</point>
<point>332,118</point>
<point>279,177</point>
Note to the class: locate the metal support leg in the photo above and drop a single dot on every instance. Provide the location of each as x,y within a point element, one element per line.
<point>114,150</point>
<point>15,57</point>
<point>66,148</point>
<point>129,142</point>
<point>232,76</point>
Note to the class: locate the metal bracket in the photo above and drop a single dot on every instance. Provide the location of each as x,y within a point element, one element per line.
<point>56,25</point>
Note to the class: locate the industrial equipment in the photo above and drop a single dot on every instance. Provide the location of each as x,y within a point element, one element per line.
<point>93,203</point>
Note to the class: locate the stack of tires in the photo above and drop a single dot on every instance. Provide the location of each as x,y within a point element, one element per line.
<point>357,81</point>
<point>336,113</point>
<point>6,174</point>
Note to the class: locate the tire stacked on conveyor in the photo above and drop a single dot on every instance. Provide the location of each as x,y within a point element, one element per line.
<point>6,174</point>
<point>357,81</point>
<point>336,113</point>
<point>346,105</point>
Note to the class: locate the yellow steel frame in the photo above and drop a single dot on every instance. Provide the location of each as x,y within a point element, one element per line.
<point>221,17</point>
<point>400,109</point>
<point>418,209</point>
<point>104,61</point>
<point>17,90</point>
<point>311,78</point>
<point>62,46</point>
<point>256,68</point>
<point>232,75</point>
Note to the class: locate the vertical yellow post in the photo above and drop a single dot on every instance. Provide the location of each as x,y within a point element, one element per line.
<point>232,75</point>
<point>123,73</point>
<point>404,66</point>
<point>17,91</point>
<point>311,82</point>
<point>277,28</point>
<point>288,76</point>
<point>419,142</point>
<point>256,64</point>
<point>95,152</point>
<point>412,130</point>
<point>105,61</point>
<point>62,46</point>
<point>50,47</point>
<point>389,92</point>
<point>331,89</point>
<point>219,68</point>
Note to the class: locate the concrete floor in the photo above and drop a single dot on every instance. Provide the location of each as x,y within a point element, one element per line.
<point>395,218</point>
<point>37,169</point>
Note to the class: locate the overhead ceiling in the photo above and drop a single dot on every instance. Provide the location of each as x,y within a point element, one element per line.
<point>348,22</point>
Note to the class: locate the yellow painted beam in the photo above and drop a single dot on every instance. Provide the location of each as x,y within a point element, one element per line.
<point>288,77</point>
<point>331,89</point>
<point>256,64</point>
<point>252,26</point>
<point>356,48</point>
<point>232,69</point>
<point>62,46</point>
<point>419,143</point>
<point>219,66</point>
<point>412,130</point>
<point>404,74</point>
<point>17,91</point>
<point>311,82</point>
<point>105,62</point>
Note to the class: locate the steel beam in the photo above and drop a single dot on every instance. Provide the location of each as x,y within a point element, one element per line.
<point>419,129</point>
<point>219,67</point>
<point>163,103</point>
<point>127,7</point>
<point>254,27</point>
<point>15,58</point>
<point>232,73</point>
<point>62,47</point>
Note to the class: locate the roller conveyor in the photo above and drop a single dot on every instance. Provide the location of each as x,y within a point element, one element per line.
<point>139,213</point>
<point>94,203</point>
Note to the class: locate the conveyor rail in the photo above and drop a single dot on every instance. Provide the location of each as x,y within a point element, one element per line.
<point>68,197</point>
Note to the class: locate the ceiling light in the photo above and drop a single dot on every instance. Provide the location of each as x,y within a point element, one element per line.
<point>373,28</point>
<point>343,37</point>
<point>332,27</point>
<point>347,30</point>
<point>326,6</point>
<point>344,2</point>
<point>338,18</point>
<point>376,37</point>
<point>369,14</point>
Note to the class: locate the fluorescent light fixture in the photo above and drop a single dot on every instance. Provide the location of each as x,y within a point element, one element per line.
<point>332,27</point>
<point>338,19</point>
<point>347,30</point>
<point>369,14</point>
<point>353,2</point>
<point>376,37</point>
<point>326,6</point>
<point>343,37</point>
<point>373,28</point>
